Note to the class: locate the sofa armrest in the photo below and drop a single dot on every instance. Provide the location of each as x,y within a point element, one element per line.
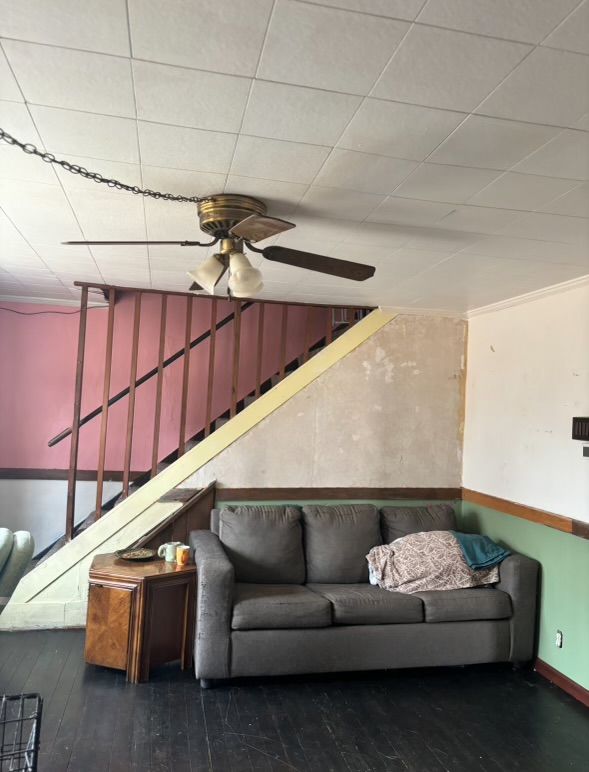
<point>214,604</point>
<point>518,576</point>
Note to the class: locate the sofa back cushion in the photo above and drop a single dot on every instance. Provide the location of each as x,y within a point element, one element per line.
<point>264,544</point>
<point>337,540</point>
<point>401,521</point>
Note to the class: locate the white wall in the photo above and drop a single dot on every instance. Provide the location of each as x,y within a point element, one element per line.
<point>39,506</point>
<point>528,375</point>
<point>387,415</point>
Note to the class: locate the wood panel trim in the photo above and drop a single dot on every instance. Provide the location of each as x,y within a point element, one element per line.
<point>305,494</point>
<point>565,683</point>
<point>558,522</point>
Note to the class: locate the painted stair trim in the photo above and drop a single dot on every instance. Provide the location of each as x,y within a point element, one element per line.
<point>58,586</point>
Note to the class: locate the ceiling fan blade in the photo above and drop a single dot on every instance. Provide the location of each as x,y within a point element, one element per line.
<point>258,227</point>
<point>321,263</point>
<point>136,243</point>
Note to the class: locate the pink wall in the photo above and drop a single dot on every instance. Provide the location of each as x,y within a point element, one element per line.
<point>38,353</point>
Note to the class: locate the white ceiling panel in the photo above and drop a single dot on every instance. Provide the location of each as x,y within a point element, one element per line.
<point>274,159</point>
<point>338,203</point>
<point>395,9</point>
<point>281,198</point>
<point>567,155</point>
<point>491,143</point>
<point>573,33</point>
<point>529,249</point>
<point>8,86</point>
<point>363,172</point>
<point>183,183</point>
<point>129,173</point>
<point>41,212</point>
<point>279,111</point>
<point>15,165</point>
<point>478,219</point>
<point>202,100</point>
<point>311,45</point>
<point>67,132</point>
<point>221,37</point>
<point>76,80</point>
<point>522,191</point>
<point>105,214</point>
<point>575,203</point>
<point>429,67</point>
<point>398,130</point>
<point>450,184</point>
<point>404,211</point>
<point>548,87</point>
<point>550,227</point>
<point>526,20</point>
<point>94,25</point>
<point>182,148</point>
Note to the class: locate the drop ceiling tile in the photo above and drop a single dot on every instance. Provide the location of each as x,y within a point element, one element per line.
<point>429,68</point>
<point>61,77</point>
<point>522,191</point>
<point>297,113</point>
<point>583,123</point>
<point>548,87</point>
<point>176,222</point>
<point>529,249</point>
<point>106,214</point>
<point>334,202</point>
<point>8,86</point>
<point>202,100</point>
<point>404,263</point>
<point>281,198</point>
<point>450,184</point>
<point>566,155</point>
<point>550,227</point>
<point>40,212</point>
<point>274,159</point>
<point>529,22</point>
<point>14,164</point>
<point>395,9</point>
<point>182,183</point>
<point>130,174</point>
<point>311,45</point>
<point>573,33</point>
<point>478,219</point>
<point>491,143</point>
<point>67,132</point>
<point>116,257</point>
<point>95,25</point>
<point>222,37</point>
<point>182,148</point>
<point>575,203</point>
<point>363,172</point>
<point>398,130</point>
<point>404,211</point>
<point>440,240</point>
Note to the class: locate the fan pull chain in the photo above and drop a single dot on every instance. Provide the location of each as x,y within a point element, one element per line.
<point>30,149</point>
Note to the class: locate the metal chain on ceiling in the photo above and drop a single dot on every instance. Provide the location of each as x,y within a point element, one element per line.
<point>30,149</point>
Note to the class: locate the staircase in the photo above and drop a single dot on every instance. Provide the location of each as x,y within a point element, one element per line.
<point>244,349</point>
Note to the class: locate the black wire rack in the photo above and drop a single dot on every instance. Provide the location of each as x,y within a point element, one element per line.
<point>20,729</point>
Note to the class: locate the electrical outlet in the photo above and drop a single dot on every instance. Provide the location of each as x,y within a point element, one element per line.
<point>558,639</point>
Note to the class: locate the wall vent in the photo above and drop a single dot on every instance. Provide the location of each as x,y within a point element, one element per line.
<point>581,429</point>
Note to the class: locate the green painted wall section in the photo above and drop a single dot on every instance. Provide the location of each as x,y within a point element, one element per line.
<point>564,583</point>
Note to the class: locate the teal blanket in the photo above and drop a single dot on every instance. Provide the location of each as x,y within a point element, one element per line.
<point>480,551</point>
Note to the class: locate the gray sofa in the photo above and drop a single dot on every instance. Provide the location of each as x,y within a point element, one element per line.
<point>284,590</point>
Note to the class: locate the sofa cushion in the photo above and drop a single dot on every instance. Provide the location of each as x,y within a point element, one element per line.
<point>265,544</point>
<point>467,605</point>
<point>401,521</point>
<point>275,606</point>
<point>363,604</point>
<point>337,540</point>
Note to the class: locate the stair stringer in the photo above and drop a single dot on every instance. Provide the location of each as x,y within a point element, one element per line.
<point>54,594</point>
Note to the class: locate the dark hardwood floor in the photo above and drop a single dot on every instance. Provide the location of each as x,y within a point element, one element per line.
<point>481,718</point>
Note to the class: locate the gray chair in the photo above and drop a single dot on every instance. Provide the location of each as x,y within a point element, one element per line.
<point>283,590</point>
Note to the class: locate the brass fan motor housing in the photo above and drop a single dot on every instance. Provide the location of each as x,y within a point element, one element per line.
<point>218,214</point>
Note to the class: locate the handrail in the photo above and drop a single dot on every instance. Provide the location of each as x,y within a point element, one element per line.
<point>154,371</point>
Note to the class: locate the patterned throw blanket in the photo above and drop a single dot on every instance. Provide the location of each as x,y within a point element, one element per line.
<point>432,560</point>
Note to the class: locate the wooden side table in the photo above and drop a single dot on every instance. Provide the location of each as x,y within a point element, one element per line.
<point>140,615</point>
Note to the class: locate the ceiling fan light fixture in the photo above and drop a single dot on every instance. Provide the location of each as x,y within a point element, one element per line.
<point>244,279</point>
<point>209,272</point>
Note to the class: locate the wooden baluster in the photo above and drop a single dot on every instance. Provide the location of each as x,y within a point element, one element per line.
<point>260,351</point>
<point>105,395</point>
<point>329,328</point>
<point>74,444</point>
<point>131,405</point>
<point>283,330</point>
<point>236,347</point>
<point>308,320</point>
<point>211,374</point>
<point>185,376</point>
<point>159,387</point>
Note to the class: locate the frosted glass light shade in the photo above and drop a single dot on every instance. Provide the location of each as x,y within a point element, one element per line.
<point>244,279</point>
<point>209,272</point>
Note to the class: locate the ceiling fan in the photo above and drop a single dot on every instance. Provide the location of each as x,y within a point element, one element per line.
<point>235,221</point>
